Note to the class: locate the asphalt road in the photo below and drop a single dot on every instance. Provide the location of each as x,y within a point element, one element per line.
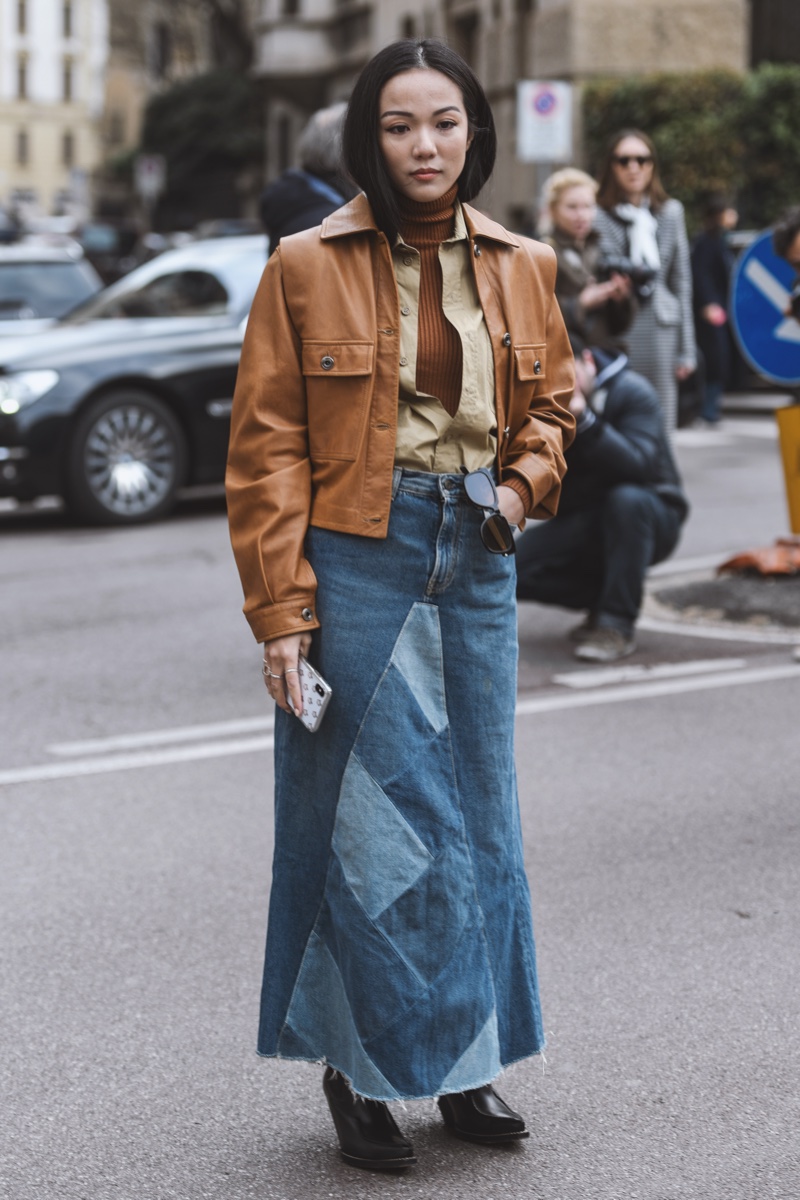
<point>660,810</point>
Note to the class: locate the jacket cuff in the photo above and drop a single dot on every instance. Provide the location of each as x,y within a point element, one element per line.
<point>281,620</point>
<point>523,490</point>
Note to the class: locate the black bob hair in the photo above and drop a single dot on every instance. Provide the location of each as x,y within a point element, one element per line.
<point>361,152</point>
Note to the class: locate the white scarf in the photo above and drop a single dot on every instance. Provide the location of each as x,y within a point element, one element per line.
<point>643,247</point>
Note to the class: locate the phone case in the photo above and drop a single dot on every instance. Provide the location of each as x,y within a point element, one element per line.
<point>316,695</point>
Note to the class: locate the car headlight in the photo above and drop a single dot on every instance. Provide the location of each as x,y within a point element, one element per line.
<point>20,390</point>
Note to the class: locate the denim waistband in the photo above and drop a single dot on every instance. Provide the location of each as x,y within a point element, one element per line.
<point>428,484</point>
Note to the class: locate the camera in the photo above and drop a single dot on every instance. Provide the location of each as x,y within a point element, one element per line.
<point>641,276</point>
<point>794,300</point>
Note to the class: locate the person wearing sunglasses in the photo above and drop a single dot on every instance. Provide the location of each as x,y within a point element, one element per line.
<point>402,402</point>
<point>621,511</point>
<point>636,219</point>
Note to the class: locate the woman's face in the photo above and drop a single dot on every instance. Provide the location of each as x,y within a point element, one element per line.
<point>574,211</point>
<point>424,133</point>
<point>632,164</point>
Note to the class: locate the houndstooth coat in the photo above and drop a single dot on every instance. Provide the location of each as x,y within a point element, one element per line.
<point>662,335</point>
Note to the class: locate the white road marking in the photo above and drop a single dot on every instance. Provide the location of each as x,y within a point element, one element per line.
<point>650,691</point>
<point>638,673</point>
<point>526,706</point>
<point>728,633</point>
<point>129,762</point>
<point>163,737</point>
<point>680,566</point>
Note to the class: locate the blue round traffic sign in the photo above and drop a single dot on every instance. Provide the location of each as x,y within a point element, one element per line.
<point>760,290</point>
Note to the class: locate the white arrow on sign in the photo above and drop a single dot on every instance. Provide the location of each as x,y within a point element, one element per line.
<point>774,291</point>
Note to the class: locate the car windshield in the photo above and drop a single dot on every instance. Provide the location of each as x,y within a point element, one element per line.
<point>189,293</point>
<point>43,289</point>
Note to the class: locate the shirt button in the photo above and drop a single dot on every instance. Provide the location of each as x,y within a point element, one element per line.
<point>403,362</point>
<point>407,260</point>
<point>405,311</point>
<point>506,339</point>
<point>307,614</point>
<point>327,362</point>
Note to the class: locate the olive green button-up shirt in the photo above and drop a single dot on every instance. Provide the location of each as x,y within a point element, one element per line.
<point>428,439</point>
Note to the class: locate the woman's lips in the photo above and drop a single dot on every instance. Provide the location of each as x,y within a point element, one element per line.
<point>427,174</point>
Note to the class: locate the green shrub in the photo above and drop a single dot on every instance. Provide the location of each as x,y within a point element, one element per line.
<point>715,131</point>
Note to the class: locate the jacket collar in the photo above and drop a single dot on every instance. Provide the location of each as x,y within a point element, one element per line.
<point>356,217</point>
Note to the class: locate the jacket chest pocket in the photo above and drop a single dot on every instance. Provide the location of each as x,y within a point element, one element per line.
<point>338,378</point>
<point>531,362</point>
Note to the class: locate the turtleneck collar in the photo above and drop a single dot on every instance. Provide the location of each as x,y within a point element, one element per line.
<point>430,220</point>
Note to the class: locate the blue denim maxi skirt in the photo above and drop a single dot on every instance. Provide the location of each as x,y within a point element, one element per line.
<point>400,946</point>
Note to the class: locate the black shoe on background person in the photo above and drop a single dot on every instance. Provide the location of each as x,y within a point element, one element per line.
<point>367,1131</point>
<point>480,1115</point>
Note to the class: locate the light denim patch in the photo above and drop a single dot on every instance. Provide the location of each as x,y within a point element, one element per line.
<point>377,868</point>
<point>418,657</point>
<point>320,1014</point>
<point>482,1058</point>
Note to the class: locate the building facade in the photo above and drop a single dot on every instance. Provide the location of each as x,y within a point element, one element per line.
<point>310,51</point>
<point>52,63</point>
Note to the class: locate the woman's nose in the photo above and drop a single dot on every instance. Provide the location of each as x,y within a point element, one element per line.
<point>424,145</point>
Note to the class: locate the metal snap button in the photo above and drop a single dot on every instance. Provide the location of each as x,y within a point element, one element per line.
<point>307,614</point>
<point>327,362</point>
<point>506,339</point>
<point>537,368</point>
<point>477,250</point>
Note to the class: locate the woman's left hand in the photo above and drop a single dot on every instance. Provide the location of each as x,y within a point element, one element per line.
<point>511,505</point>
<point>685,370</point>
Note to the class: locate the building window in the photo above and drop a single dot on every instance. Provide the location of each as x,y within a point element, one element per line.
<point>291,8</point>
<point>68,88</point>
<point>23,148</point>
<point>22,77</point>
<point>162,50</point>
<point>66,18</point>
<point>68,149</point>
<point>465,36</point>
<point>408,27</point>
<point>22,16</point>
<point>284,138</point>
<point>116,127</point>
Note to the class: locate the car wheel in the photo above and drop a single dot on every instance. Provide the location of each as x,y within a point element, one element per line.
<point>127,460</point>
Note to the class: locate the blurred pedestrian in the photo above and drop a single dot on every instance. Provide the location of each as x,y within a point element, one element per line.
<point>786,244</point>
<point>304,196</point>
<point>638,220</point>
<point>401,401</point>
<point>621,509</point>
<point>712,264</point>
<point>598,310</point>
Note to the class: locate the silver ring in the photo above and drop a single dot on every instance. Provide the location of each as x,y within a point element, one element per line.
<point>291,671</point>
<point>265,671</point>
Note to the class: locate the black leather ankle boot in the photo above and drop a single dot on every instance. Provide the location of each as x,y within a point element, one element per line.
<point>367,1131</point>
<point>479,1115</point>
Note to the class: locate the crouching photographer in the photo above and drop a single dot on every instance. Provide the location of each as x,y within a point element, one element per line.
<point>786,244</point>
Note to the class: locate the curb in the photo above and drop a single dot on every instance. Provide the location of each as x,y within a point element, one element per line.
<point>663,618</point>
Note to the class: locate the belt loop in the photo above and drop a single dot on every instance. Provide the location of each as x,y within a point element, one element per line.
<point>397,475</point>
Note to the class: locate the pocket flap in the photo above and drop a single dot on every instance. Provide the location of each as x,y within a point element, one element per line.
<point>337,358</point>
<point>531,361</point>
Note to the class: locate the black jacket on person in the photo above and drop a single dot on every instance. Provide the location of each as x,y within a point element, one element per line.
<point>298,200</point>
<point>712,265</point>
<point>620,440</point>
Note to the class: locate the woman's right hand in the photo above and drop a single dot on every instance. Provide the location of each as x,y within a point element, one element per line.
<point>280,669</point>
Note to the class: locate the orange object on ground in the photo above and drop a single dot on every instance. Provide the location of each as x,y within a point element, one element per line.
<point>783,558</point>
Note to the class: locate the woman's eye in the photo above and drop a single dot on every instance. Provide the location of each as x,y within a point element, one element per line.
<point>396,128</point>
<point>447,124</point>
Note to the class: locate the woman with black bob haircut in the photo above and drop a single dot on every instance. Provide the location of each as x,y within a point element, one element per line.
<point>401,405</point>
<point>362,155</point>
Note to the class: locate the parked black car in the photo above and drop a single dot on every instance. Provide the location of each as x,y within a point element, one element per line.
<point>129,397</point>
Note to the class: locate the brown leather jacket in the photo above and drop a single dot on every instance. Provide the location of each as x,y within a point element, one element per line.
<point>315,407</point>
